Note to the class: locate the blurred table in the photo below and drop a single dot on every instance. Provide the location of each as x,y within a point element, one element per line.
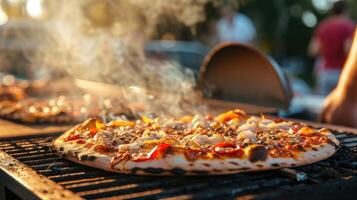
<point>11,129</point>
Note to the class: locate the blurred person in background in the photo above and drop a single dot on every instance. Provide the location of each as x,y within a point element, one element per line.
<point>234,26</point>
<point>331,43</point>
<point>340,107</point>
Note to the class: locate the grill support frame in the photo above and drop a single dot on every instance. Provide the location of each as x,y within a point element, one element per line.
<point>33,185</point>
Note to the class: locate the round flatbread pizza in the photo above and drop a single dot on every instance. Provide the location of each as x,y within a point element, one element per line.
<point>62,110</point>
<point>18,103</point>
<point>56,110</point>
<point>231,142</point>
<point>11,93</point>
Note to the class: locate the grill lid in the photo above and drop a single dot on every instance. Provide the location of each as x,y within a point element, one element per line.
<point>238,72</point>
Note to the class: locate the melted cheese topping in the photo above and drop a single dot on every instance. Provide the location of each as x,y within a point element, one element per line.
<point>281,138</point>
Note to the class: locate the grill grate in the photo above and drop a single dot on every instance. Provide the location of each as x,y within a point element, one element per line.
<point>92,183</point>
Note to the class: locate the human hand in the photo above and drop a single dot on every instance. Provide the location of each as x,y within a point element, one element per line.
<point>339,109</point>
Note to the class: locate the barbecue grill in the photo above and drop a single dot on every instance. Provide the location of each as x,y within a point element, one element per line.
<point>32,170</point>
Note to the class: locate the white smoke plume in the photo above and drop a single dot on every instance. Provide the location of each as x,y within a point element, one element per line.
<point>107,45</point>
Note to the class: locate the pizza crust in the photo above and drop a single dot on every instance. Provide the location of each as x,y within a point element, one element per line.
<point>177,164</point>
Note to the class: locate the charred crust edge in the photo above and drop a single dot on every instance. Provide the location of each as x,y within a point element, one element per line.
<point>258,153</point>
<point>152,170</point>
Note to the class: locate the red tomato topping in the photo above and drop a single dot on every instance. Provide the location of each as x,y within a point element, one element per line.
<point>296,128</point>
<point>227,149</point>
<point>72,136</point>
<point>89,145</point>
<point>101,148</point>
<point>81,141</point>
<point>93,131</point>
<point>156,151</point>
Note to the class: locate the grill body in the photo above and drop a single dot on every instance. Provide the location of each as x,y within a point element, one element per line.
<point>32,170</point>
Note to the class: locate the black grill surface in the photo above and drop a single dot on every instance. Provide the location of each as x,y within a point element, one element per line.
<point>334,177</point>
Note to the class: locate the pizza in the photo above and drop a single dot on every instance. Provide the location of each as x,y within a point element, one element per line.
<point>231,142</point>
<point>64,110</point>
<point>35,102</point>
<point>16,90</point>
<point>17,102</point>
<point>56,110</point>
<point>12,93</point>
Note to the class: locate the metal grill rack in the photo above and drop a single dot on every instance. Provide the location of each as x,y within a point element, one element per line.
<point>90,183</point>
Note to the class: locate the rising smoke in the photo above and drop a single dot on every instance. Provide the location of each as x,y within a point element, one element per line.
<point>113,52</point>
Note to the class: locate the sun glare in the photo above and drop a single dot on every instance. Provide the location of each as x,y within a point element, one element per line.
<point>34,8</point>
<point>3,17</point>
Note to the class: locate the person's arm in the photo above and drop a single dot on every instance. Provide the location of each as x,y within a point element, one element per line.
<point>340,106</point>
<point>314,47</point>
<point>347,45</point>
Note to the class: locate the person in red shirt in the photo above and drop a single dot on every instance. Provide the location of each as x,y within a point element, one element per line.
<point>340,106</point>
<point>331,43</point>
